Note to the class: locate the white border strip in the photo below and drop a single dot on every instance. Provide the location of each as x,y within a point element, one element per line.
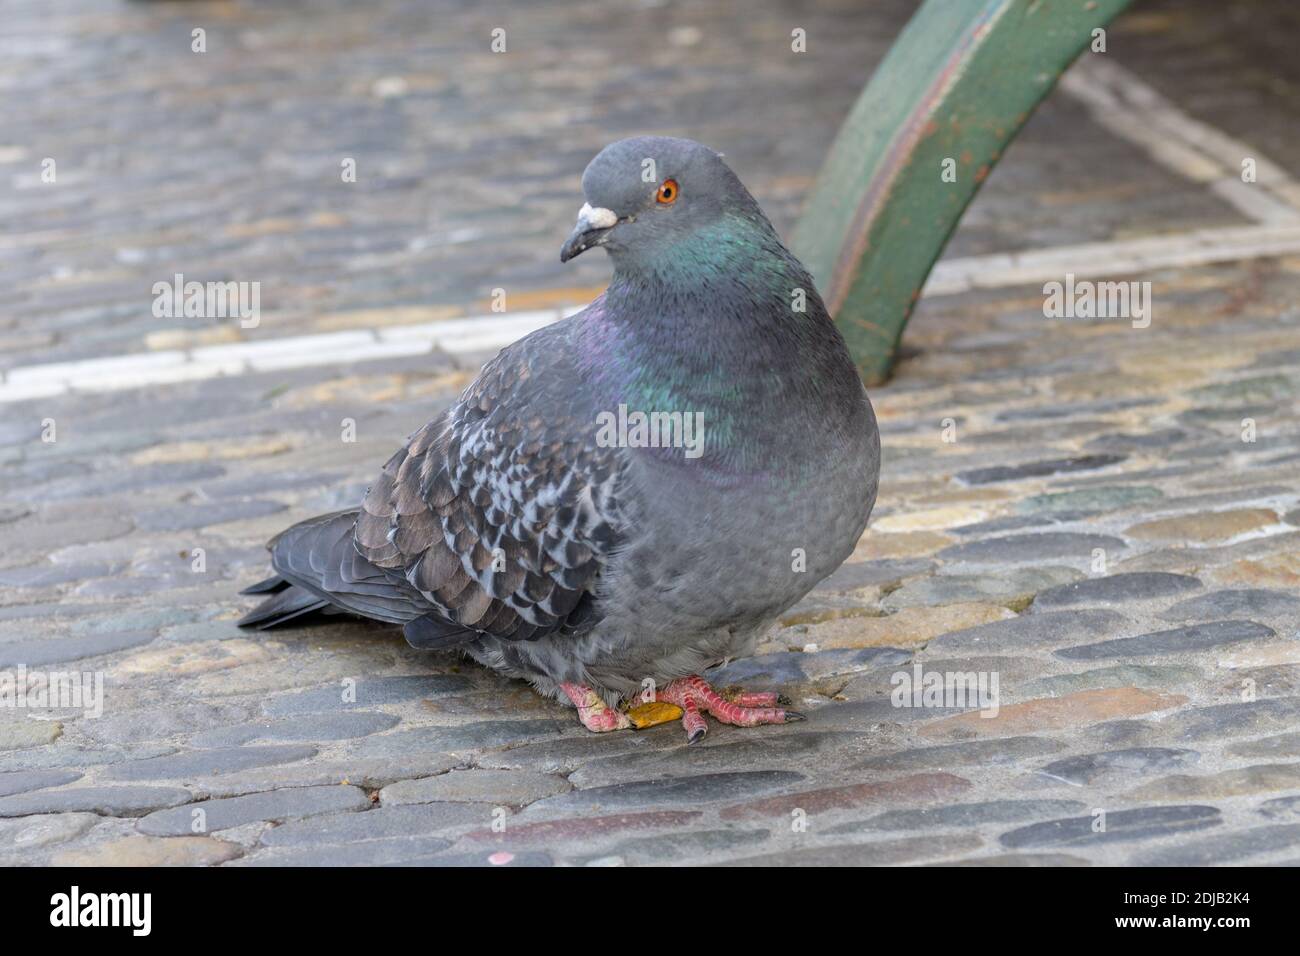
<point>489,333</point>
<point>1121,257</point>
<point>457,336</point>
<point>1120,102</point>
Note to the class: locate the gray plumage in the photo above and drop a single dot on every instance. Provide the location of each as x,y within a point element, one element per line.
<point>511,527</point>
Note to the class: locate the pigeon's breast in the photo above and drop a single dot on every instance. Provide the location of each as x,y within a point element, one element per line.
<point>709,549</point>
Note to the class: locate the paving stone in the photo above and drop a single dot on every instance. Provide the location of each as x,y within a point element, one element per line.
<point>197,763</point>
<point>867,574</point>
<point>1225,847</point>
<point>1018,860</point>
<point>511,788</point>
<point>321,726</point>
<point>1121,826</point>
<point>153,723</point>
<point>1016,583</point>
<point>201,631</point>
<point>1178,640</point>
<point>1055,713</point>
<point>25,780</point>
<point>882,853</point>
<point>31,536</point>
<point>49,575</point>
<point>564,755</point>
<point>669,792</point>
<point>915,788</point>
<point>1278,745</point>
<point>1117,675</point>
<point>974,753</point>
<point>1038,469</point>
<point>366,692</point>
<point>1210,526</point>
<point>39,653</point>
<point>135,619</point>
<point>1034,548</point>
<point>741,751</point>
<point>905,628</point>
<point>368,774</point>
<point>1246,603</point>
<point>381,823</point>
<point>35,832</point>
<point>1091,500</point>
<point>274,805</point>
<point>109,801</point>
<point>1263,778</point>
<point>207,514</point>
<point>668,848</point>
<point>479,735</point>
<point>869,715</point>
<point>500,858</point>
<point>1019,522</point>
<point>583,829</point>
<point>1281,808</point>
<point>62,755</point>
<point>784,669</point>
<point>1235,720</point>
<point>1116,589</point>
<point>1031,631</point>
<point>1271,571</point>
<point>960,815</point>
<point>152,851</point>
<point>1089,768</point>
<point>420,850</point>
<point>101,484</point>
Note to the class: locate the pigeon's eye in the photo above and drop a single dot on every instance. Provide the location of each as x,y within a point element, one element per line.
<point>668,192</point>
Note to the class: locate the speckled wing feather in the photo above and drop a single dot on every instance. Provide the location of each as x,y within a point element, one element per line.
<point>500,512</point>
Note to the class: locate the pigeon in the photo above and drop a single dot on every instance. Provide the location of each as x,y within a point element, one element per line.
<point>629,496</point>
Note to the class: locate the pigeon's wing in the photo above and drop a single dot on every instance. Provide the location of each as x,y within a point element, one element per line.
<point>502,511</point>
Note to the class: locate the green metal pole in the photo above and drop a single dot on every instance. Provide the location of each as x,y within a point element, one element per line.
<point>953,91</point>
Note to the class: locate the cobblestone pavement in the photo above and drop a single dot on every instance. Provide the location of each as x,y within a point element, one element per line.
<point>1103,519</point>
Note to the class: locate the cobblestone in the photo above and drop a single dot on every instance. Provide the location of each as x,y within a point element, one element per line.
<point>1101,537</point>
<point>288,804</point>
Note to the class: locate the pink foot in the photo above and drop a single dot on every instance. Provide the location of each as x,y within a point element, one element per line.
<point>693,694</point>
<point>594,713</point>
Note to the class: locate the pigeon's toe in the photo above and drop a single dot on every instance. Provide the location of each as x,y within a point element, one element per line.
<point>595,714</point>
<point>735,707</point>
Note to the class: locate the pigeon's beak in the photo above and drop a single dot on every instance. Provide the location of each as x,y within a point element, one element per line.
<point>593,224</point>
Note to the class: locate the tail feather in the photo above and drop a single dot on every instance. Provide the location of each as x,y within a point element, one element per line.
<point>268,586</point>
<point>319,569</point>
<point>285,605</point>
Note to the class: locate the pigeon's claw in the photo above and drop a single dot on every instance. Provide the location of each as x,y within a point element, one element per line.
<point>735,707</point>
<point>595,714</point>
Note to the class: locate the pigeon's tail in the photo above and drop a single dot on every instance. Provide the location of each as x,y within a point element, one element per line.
<point>319,569</point>
<point>288,602</point>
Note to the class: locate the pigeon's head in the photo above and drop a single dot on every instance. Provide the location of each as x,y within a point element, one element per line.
<point>650,193</point>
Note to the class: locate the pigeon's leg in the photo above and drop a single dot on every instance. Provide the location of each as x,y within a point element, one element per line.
<point>756,699</point>
<point>692,720</point>
<point>693,694</point>
<point>594,713</point>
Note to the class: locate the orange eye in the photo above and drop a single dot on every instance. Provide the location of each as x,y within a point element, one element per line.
<point>668,192</point>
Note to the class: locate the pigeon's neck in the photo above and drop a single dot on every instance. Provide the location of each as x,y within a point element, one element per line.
<point>727,325</point>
